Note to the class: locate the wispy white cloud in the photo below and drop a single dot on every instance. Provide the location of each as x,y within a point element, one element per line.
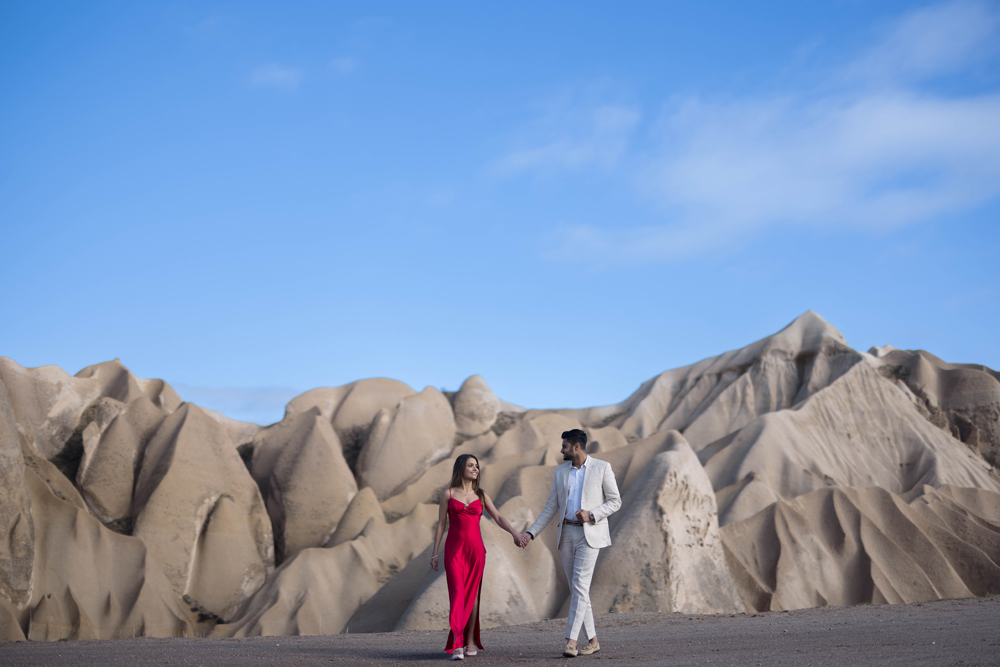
<point>881,160</point>
<point>572,135</point>
<point>869,147</point>
<point>276,76</point>
<point>931,42</point>
<point>344,65</point>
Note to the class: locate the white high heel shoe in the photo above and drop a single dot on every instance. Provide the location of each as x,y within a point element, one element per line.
<point>458,654</point>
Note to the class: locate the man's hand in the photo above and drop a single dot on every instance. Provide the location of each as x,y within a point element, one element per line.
<point>583,515</point>
<point>522,539</point>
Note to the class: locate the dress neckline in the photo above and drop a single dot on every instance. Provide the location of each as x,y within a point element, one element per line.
<point>461,503</point>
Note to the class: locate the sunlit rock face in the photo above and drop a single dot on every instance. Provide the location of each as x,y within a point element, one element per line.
<point>790,473</point>
<point>666,553</point>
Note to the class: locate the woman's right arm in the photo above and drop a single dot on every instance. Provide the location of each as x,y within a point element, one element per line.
<point>442,521</point>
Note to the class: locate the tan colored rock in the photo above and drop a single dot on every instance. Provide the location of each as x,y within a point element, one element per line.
<point>161,394</point>
<point>113,381</point>
<point>877,351</point>
<point>10,628</point>
<point>363,509</point>
<point>197,508</point>
<point>225,569</point>
<point>382,611</point>
<point>532,431</point>
<point>61,487</point>
<point>318,590</point>
<point>529,487</point>
<point>427,487</point>
<point>479,446</point>
<point>107,469</point>
<point>53,408</point>
<point>629,463</point>
<point>406,441</point>
<point>961,399</point>
<point>47,403</point>
<point>352,405</point>
<point>845,546</point>
<point>64,420</point>
<point>92,583</point>
<point>351,409</point>
<point>666,554</point>
<point>496,473</point>
<point>744,497</point>
<point>716,396</point>
<point>17,547</point>
<point>838,477</point>
<point>306,484</point>
<point>603,440</point>
<point>314,593</point>
<point>476,407</point>
<point>860,431</point>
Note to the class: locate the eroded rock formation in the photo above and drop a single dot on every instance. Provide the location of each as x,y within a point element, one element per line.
<point>793,472</point>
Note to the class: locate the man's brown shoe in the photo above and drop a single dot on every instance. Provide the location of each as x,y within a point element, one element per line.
<point>570,651</point>
<point>589,648</point>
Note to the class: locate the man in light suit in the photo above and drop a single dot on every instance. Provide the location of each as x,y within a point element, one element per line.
<point>584,494</point>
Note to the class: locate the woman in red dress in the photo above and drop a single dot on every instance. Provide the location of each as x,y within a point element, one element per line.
<point>462,505</point>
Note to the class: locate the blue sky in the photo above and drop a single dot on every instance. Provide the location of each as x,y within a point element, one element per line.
<point>250,200</point>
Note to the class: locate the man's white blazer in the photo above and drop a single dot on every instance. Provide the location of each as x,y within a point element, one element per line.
<point>599,497</point>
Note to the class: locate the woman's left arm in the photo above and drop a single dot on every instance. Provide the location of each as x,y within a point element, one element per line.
<point>500,521</point>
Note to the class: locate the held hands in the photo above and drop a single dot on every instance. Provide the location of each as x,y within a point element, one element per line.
<point>583,515</point>
<point>521,540</point>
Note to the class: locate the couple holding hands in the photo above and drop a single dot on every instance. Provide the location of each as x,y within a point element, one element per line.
<point>584,494</point>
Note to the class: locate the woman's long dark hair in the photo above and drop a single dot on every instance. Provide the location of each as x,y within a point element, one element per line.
<point>456,475</point>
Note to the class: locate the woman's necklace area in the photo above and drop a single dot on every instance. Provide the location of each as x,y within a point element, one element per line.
<point>466,504</point>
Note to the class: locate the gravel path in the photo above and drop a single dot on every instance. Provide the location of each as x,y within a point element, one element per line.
<point>952,632</point>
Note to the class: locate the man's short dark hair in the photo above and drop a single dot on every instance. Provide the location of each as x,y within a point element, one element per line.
<point>576,437</point>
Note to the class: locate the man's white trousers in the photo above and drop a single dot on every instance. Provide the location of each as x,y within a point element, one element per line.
<point>579,559</point>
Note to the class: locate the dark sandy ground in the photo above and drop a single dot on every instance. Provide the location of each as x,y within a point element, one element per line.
<point>951,632</point>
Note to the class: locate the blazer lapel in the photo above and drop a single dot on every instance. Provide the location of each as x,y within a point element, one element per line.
<point>563,472</point>
<point>587,473</point>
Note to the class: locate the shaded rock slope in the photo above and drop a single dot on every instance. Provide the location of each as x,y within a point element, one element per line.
<point>791,473</point>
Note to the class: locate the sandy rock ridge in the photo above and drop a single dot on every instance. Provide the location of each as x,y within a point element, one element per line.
<point>790,473</point>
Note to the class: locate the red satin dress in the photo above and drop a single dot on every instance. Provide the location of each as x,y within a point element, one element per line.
<point>464,562</point>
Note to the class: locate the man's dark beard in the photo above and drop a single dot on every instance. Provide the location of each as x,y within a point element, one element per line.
<point>567,457</point>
